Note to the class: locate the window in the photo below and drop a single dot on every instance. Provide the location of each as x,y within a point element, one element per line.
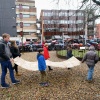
<point>26,16</point>
<point>25,7</point>
<point>26,24</point>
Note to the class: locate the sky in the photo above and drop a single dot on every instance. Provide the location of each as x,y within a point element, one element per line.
<point>51,4</point>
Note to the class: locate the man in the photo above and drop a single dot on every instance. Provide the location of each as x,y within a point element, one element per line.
<point>91,59</point>
<point>5,60</point>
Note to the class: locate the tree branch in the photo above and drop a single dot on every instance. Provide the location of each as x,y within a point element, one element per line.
<point>97,2</point>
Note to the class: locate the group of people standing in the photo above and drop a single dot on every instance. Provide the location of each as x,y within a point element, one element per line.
<point>10,51</point>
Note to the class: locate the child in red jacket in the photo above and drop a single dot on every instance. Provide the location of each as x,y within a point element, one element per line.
<point>46,54</point>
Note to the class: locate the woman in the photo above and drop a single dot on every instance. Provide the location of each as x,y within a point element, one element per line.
<point>15,53</point>
<point>69,52</point>
<point>46,54</point>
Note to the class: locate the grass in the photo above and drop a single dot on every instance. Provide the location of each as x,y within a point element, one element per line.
<point>76,53</point>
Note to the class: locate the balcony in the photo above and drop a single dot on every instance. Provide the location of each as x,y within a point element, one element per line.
<point>29,13</point>
<point>26,19</point>
<point>31,28</point>
<point>26,3</point>
<point>30,1</point>
<point>26,10</point>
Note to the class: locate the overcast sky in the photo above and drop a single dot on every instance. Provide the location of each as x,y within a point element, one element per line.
<point>49,4</point>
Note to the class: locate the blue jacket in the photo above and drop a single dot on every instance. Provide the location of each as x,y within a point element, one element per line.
<point>41,62</point>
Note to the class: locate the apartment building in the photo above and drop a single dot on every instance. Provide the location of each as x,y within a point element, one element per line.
<point>8,17</point>
<point>97,30</point>
<point>26,17</point>
<point>59,22</point>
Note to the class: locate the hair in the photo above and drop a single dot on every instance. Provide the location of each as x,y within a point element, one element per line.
<point>13,43</point>
<point>46,44</point>
<point>5,35</point>
<point>92,48</point>
<point>40,50</point>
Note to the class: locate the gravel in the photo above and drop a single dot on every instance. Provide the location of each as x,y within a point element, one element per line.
<point>64,84</point>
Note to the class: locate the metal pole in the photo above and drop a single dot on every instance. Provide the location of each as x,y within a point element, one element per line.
<point>63,40</point>
<point>85,27</point>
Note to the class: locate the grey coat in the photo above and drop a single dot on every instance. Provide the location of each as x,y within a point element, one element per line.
<point>91,58</point>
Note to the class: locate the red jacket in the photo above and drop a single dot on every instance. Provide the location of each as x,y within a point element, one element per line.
<point>46,53</point>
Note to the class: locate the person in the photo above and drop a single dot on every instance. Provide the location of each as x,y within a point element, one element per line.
<point>42,67</point>
<point>69,53</point>
<point>91,59</point>
<point>46,54</point>
<point>15,53</point>
<point>5,60</point>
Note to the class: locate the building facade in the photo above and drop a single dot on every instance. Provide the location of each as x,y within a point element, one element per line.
<point>98,31</point>
<point>26,17</point>
<point>8,17</point>
<point>59,22</point>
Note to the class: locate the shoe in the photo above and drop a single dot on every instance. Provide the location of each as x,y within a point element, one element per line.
<point>5,85</point>
<point>68,68</point>
<point>16,82</point>
<point>44,84</point>
<point>89,81</point>
<point>50,69</point>
<point>17,74</point>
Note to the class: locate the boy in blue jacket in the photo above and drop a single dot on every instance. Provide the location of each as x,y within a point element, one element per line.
<point>42,67</point>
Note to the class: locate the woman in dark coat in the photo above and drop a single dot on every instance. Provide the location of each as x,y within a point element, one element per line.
<point>15,53</point>
<point>69,52</point>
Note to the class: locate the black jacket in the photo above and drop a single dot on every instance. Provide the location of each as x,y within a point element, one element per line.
<point>15,52</point>
<point>5,53</point>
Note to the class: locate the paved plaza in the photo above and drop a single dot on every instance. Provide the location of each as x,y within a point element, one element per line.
<point>64,84</point>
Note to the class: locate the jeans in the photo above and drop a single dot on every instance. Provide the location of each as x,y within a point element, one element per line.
<point>90,72</point>
<point>4,66</point>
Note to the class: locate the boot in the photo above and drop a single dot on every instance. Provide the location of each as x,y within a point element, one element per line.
<point>50,68</point>
<point>17,74</point>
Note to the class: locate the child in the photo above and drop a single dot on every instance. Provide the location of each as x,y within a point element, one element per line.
<point>46,54</point>
<point>42,67</point>
<point>15,53</point>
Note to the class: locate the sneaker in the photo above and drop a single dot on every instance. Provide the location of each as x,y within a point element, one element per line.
<point>44,84</point>
<point>16,82</point>
<point>5,85</point>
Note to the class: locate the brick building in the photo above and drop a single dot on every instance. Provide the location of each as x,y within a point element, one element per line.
<point>98,31</point>
<point>69,22</point>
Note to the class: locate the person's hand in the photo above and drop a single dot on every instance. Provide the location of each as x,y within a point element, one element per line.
<point>11,60</point>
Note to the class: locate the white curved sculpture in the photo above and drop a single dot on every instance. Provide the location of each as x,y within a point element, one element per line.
<point>33,66</point>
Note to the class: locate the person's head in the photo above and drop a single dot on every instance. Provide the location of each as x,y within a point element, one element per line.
<point>46,45</point>
<point>40,50</point>
<point>69,47</point>
<point>13,44</point>
<point>92,48</point>
<point>6,37</point>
